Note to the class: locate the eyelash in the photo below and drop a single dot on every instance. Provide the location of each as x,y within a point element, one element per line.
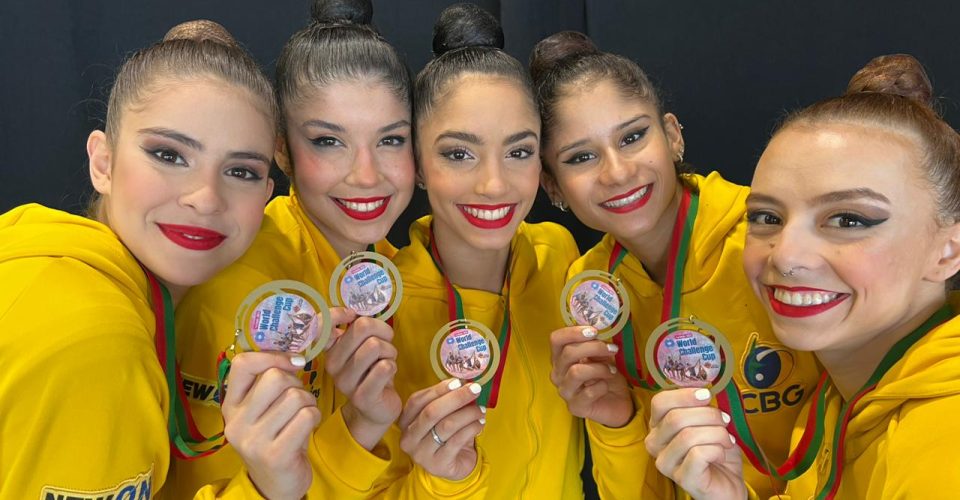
<point>246,174</point>
<point>520,153</point>
<point>450,153</point>
<point>160,153</point>
<point>634,136</point>
<point>578,158</point>
<point>393,140</point>
<point>846,220</point>
<point>326,141</point>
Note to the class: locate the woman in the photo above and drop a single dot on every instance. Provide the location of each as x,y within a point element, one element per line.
<point>853,239</point>
<point>181,172</point>
<point>616,159</point>
<point>480,167</point>
<point>345,98</point>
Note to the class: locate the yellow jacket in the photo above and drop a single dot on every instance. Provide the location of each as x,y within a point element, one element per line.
<point>531,447</point>
<point>84,398</point>
<point>774,380</point>
<point>902,440</point>
<point>288,246</point>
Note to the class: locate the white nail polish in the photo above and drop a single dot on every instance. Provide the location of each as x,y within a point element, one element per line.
<point>483,421</point>
<point>454,384</point>
<point>613,369</point>
<point>475,388</point>
<point>298,361</point>
<point>589,332</point>
<point>483,409</point>
<point>702,394</point>
<point>612,347</point>
<point>733,439</point>
<point>725,417</point>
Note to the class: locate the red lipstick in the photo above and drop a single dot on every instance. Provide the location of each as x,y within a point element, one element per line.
<point>486,223</point>
<point>792,311</point>
<point>633,205</point>
<point>360,214</point>
<point>192,237</point>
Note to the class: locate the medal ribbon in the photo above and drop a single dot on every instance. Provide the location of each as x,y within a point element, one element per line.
<point>491,390</point>
<point>186,441</point>
<point>803,456</point>
<point>628,358</point>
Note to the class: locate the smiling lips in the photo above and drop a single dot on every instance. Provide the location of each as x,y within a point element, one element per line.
<point>629,201</point>
<point>488,216</point>
<point>192,237</point>
<point>799,302</point>
<point>363,208</point>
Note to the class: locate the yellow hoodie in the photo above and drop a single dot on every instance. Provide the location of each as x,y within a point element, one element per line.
<point>901,441</point>
<point>531,446</point>
<point>83,395</point>
<point>774,380</point>
<point>288,246</point>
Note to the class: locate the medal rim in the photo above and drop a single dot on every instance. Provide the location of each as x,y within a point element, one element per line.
<point>386,264</point>
<point>720,340</point>
<point>277,287</point>
<point>475,326</point>
<point>615,283</point>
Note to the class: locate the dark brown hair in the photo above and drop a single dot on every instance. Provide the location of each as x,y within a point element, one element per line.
<point>571,58</point>
<point>893,92</point>
<point>466,39</point>
<point>339,44</point>
<point>194,49</point>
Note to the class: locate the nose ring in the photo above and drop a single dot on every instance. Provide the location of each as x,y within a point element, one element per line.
<point>789,273</point>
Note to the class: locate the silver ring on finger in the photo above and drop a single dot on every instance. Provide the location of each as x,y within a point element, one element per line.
<point>436,437</point>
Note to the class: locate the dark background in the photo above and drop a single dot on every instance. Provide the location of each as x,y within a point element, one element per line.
<point>728,69</point>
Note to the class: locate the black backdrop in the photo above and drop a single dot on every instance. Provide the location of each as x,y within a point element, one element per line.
<point>728,69</point>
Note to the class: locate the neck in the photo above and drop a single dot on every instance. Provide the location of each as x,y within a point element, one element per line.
<point>469,267</point>
<point>176,292</point>
<point>850,366</point>
<point>341,245</point>
<point>652,247</point>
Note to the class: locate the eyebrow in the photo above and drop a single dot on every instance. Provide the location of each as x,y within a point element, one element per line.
<point>519,136</point>
<point>463,136</point>
<point>249,155</point>
<point>393,126</point>
<point>173,135</point>
<point>324,124</point>
<point>832,197</point>
<point>620,126</point>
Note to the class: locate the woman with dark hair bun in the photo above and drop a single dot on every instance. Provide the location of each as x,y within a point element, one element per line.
<point>344,95</point>
<point>86,306</point>
<point>674,239</point>
<point>853,240</point>
<point>488,429</point>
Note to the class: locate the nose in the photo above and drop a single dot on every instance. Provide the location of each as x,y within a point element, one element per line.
<point>615,170</point>
<point>364,172</point>
<point>794,250</point>
<point>491,181</point>
<point>205,194</point>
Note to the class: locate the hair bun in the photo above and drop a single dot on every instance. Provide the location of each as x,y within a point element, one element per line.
<point>342,11</point>
<point>200,30</point>
<point>551,50</point>
<point>898,74</point>
<point>466,25</point>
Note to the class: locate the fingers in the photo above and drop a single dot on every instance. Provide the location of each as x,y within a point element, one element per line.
<point>665,401</point>
<point>579,352</point>
<point>570,335</point>
<point>247,366</point>
<point>427,407</point>
<point>282,410</point>
<point>376,381</point>
<point>366,342</point>
<point>583,376</point>
<point>698,445</point>
<point>462,438</point>
<point>267,391</point>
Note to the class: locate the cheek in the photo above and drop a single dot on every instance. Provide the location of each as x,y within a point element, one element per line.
<point>755,256</point>
<point>879,269</point>
<point>401,173</point>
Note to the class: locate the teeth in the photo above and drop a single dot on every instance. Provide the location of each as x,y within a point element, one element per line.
<point>622,202</point>
<point>495,214</point>
<point>803,299</point>
<point>363,207</point>
<point>191,237</point>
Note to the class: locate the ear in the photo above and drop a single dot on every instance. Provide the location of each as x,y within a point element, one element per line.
<point>267,193</point>
<point>100,156</point>
<point>948,262</point>
<point>672,129</point>
<point>549,184</point>
<point>281,155</point>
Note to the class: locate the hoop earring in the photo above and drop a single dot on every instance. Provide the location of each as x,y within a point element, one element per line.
<point>561,205</point>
